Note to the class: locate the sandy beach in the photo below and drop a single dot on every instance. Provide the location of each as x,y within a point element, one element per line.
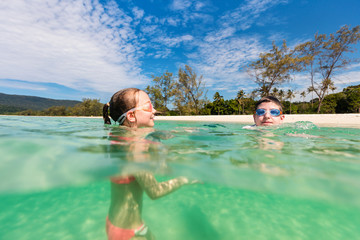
<point>321,120</point>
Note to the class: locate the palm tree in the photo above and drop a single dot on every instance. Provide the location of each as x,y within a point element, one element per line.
<point>240,98</point>
<point>254,94</point>
<point>281,95</point>
<point>303,95</point>
<point>218,99</point>
<point>275,92</point>
<point>290,95</point>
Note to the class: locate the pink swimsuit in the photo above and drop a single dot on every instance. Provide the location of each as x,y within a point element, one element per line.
<point>122,180</point>
<point>116,233</point>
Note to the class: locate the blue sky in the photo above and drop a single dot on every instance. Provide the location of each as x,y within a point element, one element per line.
<point>74,49</point>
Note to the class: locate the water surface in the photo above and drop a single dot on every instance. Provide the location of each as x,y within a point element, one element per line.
<point>296,181</point>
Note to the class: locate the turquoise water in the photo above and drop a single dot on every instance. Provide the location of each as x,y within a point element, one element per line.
<point>297,181</point>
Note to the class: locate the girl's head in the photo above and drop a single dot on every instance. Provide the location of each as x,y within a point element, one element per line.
<point>130,107</point>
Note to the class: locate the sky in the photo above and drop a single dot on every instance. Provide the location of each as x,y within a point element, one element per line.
<point>75,49</point>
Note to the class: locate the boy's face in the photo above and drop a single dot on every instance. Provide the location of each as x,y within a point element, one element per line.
<point>267,119</point>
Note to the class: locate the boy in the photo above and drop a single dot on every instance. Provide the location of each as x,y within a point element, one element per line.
<point>268,112</point>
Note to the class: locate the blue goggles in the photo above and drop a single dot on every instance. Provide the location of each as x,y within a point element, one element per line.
<point>273,112</point>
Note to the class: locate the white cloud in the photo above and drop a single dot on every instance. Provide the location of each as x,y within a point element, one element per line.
<point>151,19</point>
<point>224,61</point>
<point>354,66</point>
<point>76,43</point>
<point>183,5</point>
<point>348,78</point>
<point>277,37</point>
<point>248,13</point>
<point>138,13</point>
<point>222,34</point>
<point>191,11</point>
<point>164,53</point>
<point>180,4</point>
<point>149,29</point>
<point>173,41</point>
<point>186,37</point>
<point>22,85</point>
<point>255,7</point>
<point>199,6</point>
<point>172,21</point>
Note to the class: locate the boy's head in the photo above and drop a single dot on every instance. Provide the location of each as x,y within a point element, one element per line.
<point>268,112</point>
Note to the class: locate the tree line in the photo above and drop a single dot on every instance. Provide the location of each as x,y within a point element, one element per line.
<point>88,107</point>
<point>347,101</point>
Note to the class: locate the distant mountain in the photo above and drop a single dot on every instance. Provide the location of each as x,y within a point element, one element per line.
<point>16,103</point>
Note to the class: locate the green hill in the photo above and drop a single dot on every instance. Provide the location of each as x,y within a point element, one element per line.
<point>16,103</point>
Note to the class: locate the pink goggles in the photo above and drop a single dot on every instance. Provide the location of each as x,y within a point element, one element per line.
<point>147,107</point>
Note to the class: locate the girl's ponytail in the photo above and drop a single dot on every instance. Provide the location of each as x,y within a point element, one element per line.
<point>106,113</point>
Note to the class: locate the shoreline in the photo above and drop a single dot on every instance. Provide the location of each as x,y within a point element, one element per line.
<point>351,120</point>
<point>347,120</point>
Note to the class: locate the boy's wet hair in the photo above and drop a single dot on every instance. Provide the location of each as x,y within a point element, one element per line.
<point>121,102</point>
<point>269,99</point>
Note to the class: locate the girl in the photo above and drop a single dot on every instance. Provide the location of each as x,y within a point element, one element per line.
<point>132,108</point>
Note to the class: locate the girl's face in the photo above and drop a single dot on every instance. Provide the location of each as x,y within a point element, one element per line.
<point>144,113</point>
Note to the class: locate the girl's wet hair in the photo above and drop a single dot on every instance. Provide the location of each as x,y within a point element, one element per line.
<point>121,102</point>
<point>269,99</point>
